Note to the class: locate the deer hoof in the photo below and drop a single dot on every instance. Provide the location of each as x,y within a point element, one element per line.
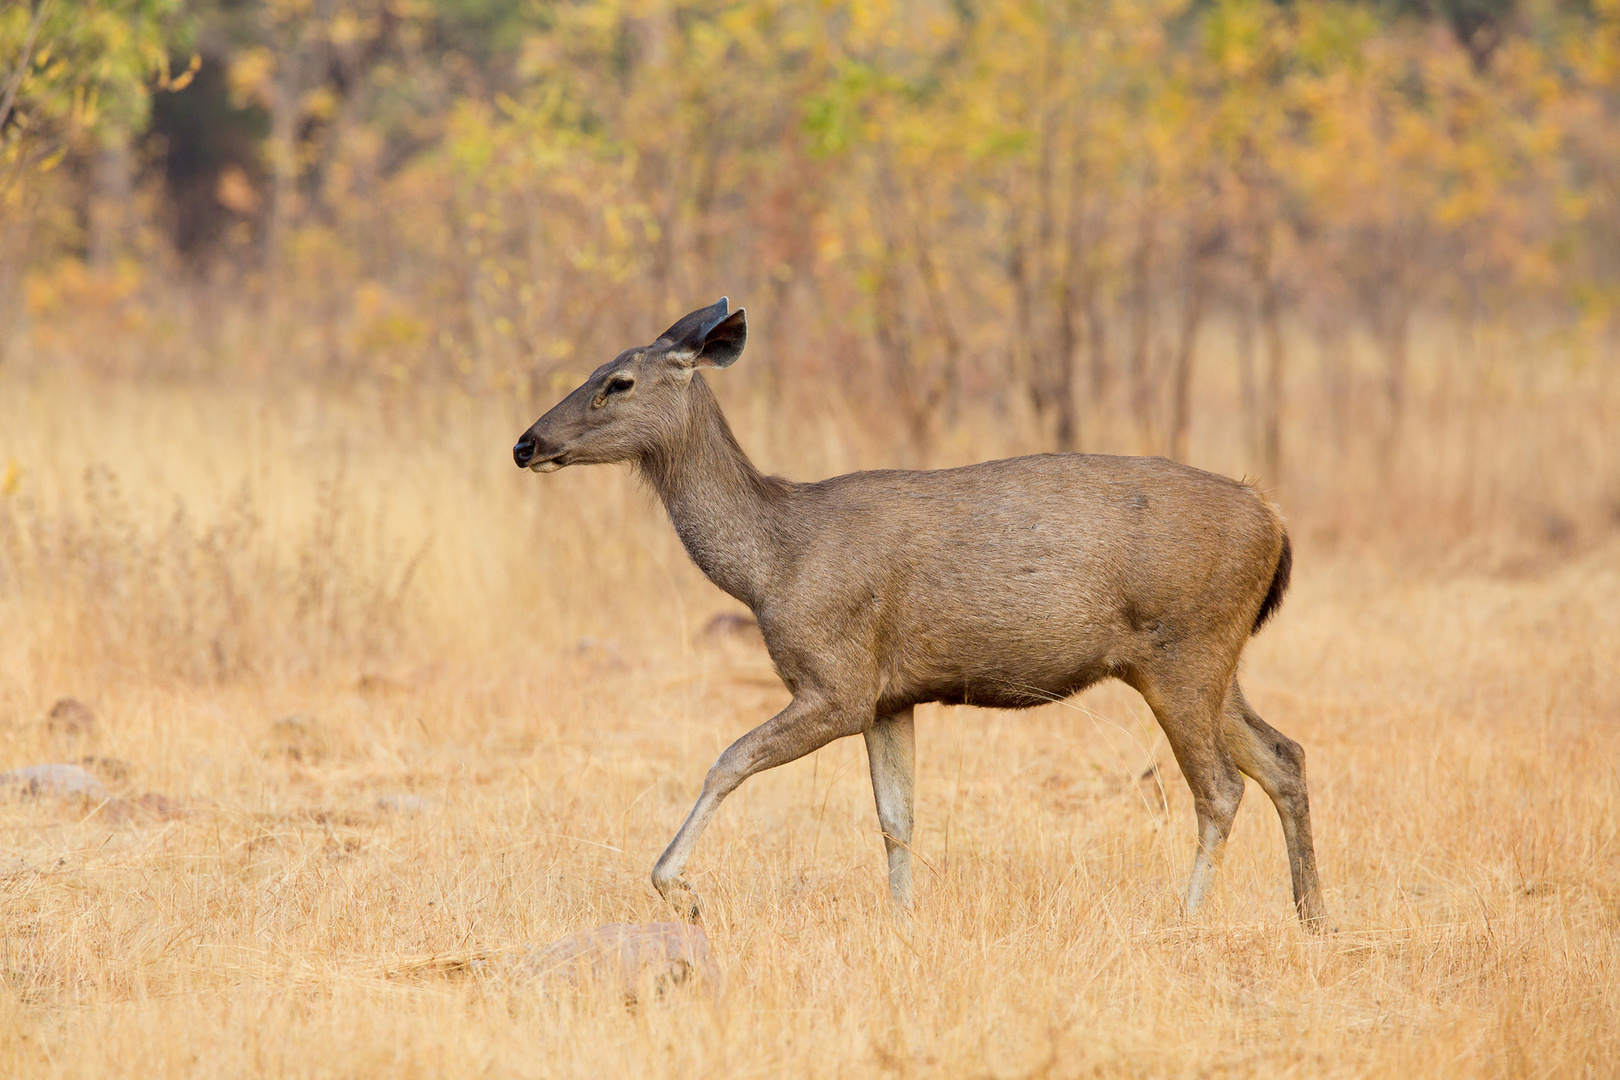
<point>1313,914</point>
<point>680,895</point>
<point>1319,925</point>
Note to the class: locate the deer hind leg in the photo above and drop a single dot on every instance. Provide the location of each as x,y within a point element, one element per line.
<point>889,751</point>
<point>805,726</point>
<point>1277,764</point>
<point>1190,717</point>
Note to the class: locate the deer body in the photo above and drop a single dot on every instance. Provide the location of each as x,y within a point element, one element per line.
<point>1006,584</point>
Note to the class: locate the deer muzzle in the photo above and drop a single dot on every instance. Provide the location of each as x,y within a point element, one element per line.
<point>530,454</point>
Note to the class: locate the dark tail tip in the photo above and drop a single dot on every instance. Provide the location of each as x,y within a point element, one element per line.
<point>1279,585</point>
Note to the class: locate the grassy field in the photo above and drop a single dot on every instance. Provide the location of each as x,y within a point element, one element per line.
<point>369,696</point>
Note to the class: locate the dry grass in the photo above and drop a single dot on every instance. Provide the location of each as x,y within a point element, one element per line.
<point>410,705</point>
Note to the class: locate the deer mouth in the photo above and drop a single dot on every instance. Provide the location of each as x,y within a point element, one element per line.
<point>550,464</point>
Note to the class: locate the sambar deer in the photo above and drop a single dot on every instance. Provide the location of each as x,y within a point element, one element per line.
<point>1006,584</point>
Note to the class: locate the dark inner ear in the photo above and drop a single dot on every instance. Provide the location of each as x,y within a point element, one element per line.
<point>689,330</point>
<point>725,342</point>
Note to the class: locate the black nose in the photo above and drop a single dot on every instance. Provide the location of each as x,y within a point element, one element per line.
<point>523,452</point>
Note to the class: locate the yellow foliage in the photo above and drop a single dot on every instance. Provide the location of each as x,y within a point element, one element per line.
<point>72,287</point>
<point>251,75</point>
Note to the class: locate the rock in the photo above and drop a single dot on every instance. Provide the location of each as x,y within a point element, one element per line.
<point>65,781</point>
<point>70,716</point>
<point>57,779</point>
<point>404,804</point>
<point>644,960</point>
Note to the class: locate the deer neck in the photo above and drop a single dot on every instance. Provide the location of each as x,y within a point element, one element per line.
<point>723,508</point>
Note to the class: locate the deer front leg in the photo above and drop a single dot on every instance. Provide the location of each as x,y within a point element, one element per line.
<point>806,725</point>
<point>889,751</point>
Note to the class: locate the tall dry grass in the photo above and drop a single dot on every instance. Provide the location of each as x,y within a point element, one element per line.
<point>405,701</point>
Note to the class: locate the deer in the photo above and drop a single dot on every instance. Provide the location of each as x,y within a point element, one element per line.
<point>1006,584</point>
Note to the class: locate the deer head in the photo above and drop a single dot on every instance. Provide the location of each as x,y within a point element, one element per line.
<point>631,403</point>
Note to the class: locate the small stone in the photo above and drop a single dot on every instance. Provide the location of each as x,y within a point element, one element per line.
<point>70,716</point>
<point>404,804</point>
<point>56,779</point>
<point>644,959</point>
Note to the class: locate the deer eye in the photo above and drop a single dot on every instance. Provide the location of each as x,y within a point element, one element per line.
<point>619,384</point>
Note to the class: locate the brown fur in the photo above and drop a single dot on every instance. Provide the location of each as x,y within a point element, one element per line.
<point>1006,584</point>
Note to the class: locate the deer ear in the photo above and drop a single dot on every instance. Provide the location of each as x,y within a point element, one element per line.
<point>690,330</point>
<point>724,343</point>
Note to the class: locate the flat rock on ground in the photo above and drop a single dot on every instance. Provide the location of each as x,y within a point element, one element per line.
<point>61,780</point>
<point>54,779</point>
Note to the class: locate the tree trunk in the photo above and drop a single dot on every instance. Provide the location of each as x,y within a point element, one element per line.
<point>895,346</point>
<point>1075,300</point>
<point>284,108</point>
<point>1396,336</point>
<point>1334,342</point>
<point>925,386</point>
<point>894,341</point>
<point>941,388</point>
<point>1049,270</point>
<point>1276,361</point>
<point>1142,328</point>
<point>1097,350</point>
<point>1068,425</point>
<point>1248,376</point>
<point>1192,315</point>
<point>112,187</point>
<point>1025,368</point>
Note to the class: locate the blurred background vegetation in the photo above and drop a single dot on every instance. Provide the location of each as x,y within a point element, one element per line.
<point>1325,242</point>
